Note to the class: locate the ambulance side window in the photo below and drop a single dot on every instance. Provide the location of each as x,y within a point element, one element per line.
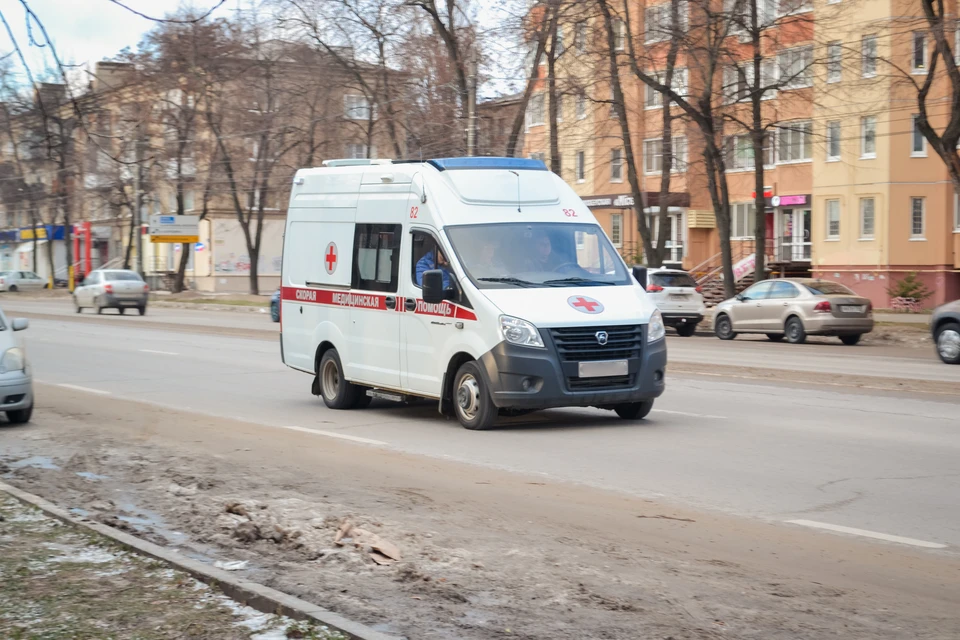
<point>376,257</point>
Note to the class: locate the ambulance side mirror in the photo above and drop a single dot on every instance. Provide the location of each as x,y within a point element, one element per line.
<point>433,286</point>
<point>640,273</point>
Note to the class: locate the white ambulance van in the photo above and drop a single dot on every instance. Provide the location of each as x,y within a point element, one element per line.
<point>483,283</point>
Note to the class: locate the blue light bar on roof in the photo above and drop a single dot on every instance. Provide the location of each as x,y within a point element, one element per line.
<point>449,164</point>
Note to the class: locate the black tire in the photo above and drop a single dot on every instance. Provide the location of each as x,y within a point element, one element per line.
<point>686,330</point>
<point>122,310</point>
<point>851,340</point>
<point>634,410</point>
<point>336,392</point>
<point>275,312</point>
<point>12,289</point>
<point>723,328</point>
<point>96,304</point>
<point>949,331</point>
<point>142,310</point>
<point>76,305</point>
<point>775,337</point>
<point>794,331</point>
<point>471,399</point>
<point>20,416</point>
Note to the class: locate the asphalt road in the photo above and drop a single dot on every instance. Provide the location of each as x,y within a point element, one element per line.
<point>881,464</point>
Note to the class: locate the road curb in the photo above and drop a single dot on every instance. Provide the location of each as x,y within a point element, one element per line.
<point>251,594</point>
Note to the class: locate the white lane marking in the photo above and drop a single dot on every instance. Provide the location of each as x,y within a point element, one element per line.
<point>86,389</point>
<point>333,434</point>
<point>691,415</point>
<point>162,353</point>
<point>868,534</point>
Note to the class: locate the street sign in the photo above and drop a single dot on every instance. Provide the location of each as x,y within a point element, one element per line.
<point>165,228</point>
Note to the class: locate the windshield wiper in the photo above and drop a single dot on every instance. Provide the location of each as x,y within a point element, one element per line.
<point>581,281</point>
<point>516,281</point>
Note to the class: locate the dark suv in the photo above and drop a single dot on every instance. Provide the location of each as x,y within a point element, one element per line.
<point>945,327</point>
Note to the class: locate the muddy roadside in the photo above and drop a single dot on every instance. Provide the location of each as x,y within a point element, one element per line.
<point>451,551</point>
<point>57,581</point>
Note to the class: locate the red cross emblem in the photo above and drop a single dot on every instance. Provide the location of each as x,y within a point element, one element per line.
<point>585,305</point>
<point>330,258</point>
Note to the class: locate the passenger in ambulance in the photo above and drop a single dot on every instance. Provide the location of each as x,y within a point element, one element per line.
<point>428,263</point>
<point>542,257</point>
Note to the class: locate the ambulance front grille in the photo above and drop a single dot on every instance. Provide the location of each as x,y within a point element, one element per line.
<point>580,344</point>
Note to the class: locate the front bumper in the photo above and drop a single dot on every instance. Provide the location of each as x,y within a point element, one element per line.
<point>508,368</point>
<point>674,318</point>
<point>832,326</point>
<point>16,392</point>
<point>113,302</point>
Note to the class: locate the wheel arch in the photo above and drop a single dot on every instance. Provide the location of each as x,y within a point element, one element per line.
<point>456,361</point>
<point>944,321</point>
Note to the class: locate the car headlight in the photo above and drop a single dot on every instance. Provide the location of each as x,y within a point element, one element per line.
<point>656,329</point>
<point>521,332</point>
<point>12,360</point>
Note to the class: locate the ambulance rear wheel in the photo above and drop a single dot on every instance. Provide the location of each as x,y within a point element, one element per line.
<point>337,393</point>
<point>471,399</point>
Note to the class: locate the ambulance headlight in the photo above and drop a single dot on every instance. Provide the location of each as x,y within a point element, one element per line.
<point>656,329</point>
<point>521,332</point>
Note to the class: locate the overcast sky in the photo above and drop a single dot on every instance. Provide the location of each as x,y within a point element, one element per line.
<point>85,31</point>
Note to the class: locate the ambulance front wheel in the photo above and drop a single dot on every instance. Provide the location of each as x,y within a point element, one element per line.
<point>471,398</point>
<point>634,410</point>
<point>337,393</point>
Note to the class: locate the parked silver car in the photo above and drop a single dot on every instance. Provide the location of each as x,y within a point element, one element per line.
<point>794,308</point>
<point>16,381</point>
<point>945,326</point>
<point>21,281</point>
<point>112,289</point>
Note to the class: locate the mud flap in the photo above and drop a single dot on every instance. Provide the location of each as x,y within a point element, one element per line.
<point>445,406</point>
<point>315,387</point>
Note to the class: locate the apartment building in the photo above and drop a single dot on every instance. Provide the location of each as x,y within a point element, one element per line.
<point>851,191</point>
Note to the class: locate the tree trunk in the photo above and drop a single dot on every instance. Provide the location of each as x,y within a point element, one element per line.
<point>178,281</point>
<point>532,78</point>
<point>720,197</point>
<point>757,131</point>
<point>554,111</point>
<point>666,161</point>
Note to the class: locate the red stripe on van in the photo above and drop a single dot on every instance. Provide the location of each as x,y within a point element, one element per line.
<point>373,301</point>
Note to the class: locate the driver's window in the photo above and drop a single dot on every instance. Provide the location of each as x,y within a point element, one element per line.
<point>758,291</point>
<point>427,256</point>
<point>93,278</point>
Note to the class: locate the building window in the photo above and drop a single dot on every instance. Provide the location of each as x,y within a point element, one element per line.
<point>919,52</point>
<point>833,141</point>
<point>868,56</point>
<point>653,155</point>
<point>616,165</point>
<point>678,83</point>
<point>796,67</point>
<point>739,152</point>
<point>581,166</point>
<point>834,62</point>
<point>616,229</point>
<point>917,218</point>
<point>918,144</point>
<point>795,141</point>
<point>956,213</point>
<point>581,106</point>
<point>558,42</point>
<point>790,7</point>
<point>744,220</point>
<point>619,35</point>
<point>738,81</point>
<point>833,219</point>
<point>580,37</point>
<point>359,151</point>
<point>356,107</point>
<point>867,218</point>
<point>868,137</point>
<point>657,23</point>
<point>535,115</point>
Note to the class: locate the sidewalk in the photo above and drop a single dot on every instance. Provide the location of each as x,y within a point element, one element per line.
<point>60,582</point>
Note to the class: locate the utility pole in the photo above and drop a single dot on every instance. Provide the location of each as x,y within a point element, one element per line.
<point>472,105</point>
<point>138,204</point>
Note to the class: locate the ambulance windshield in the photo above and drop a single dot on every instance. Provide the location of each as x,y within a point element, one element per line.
<point>537,255</point>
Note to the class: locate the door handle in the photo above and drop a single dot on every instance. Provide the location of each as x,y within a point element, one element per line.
<point>391,302</point>
<point>410,304</point>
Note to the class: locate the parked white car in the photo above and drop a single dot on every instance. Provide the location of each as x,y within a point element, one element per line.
<point>16,382</point>
<point>112,289</point>
<point>21,281</point>
<point>678,297</point>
